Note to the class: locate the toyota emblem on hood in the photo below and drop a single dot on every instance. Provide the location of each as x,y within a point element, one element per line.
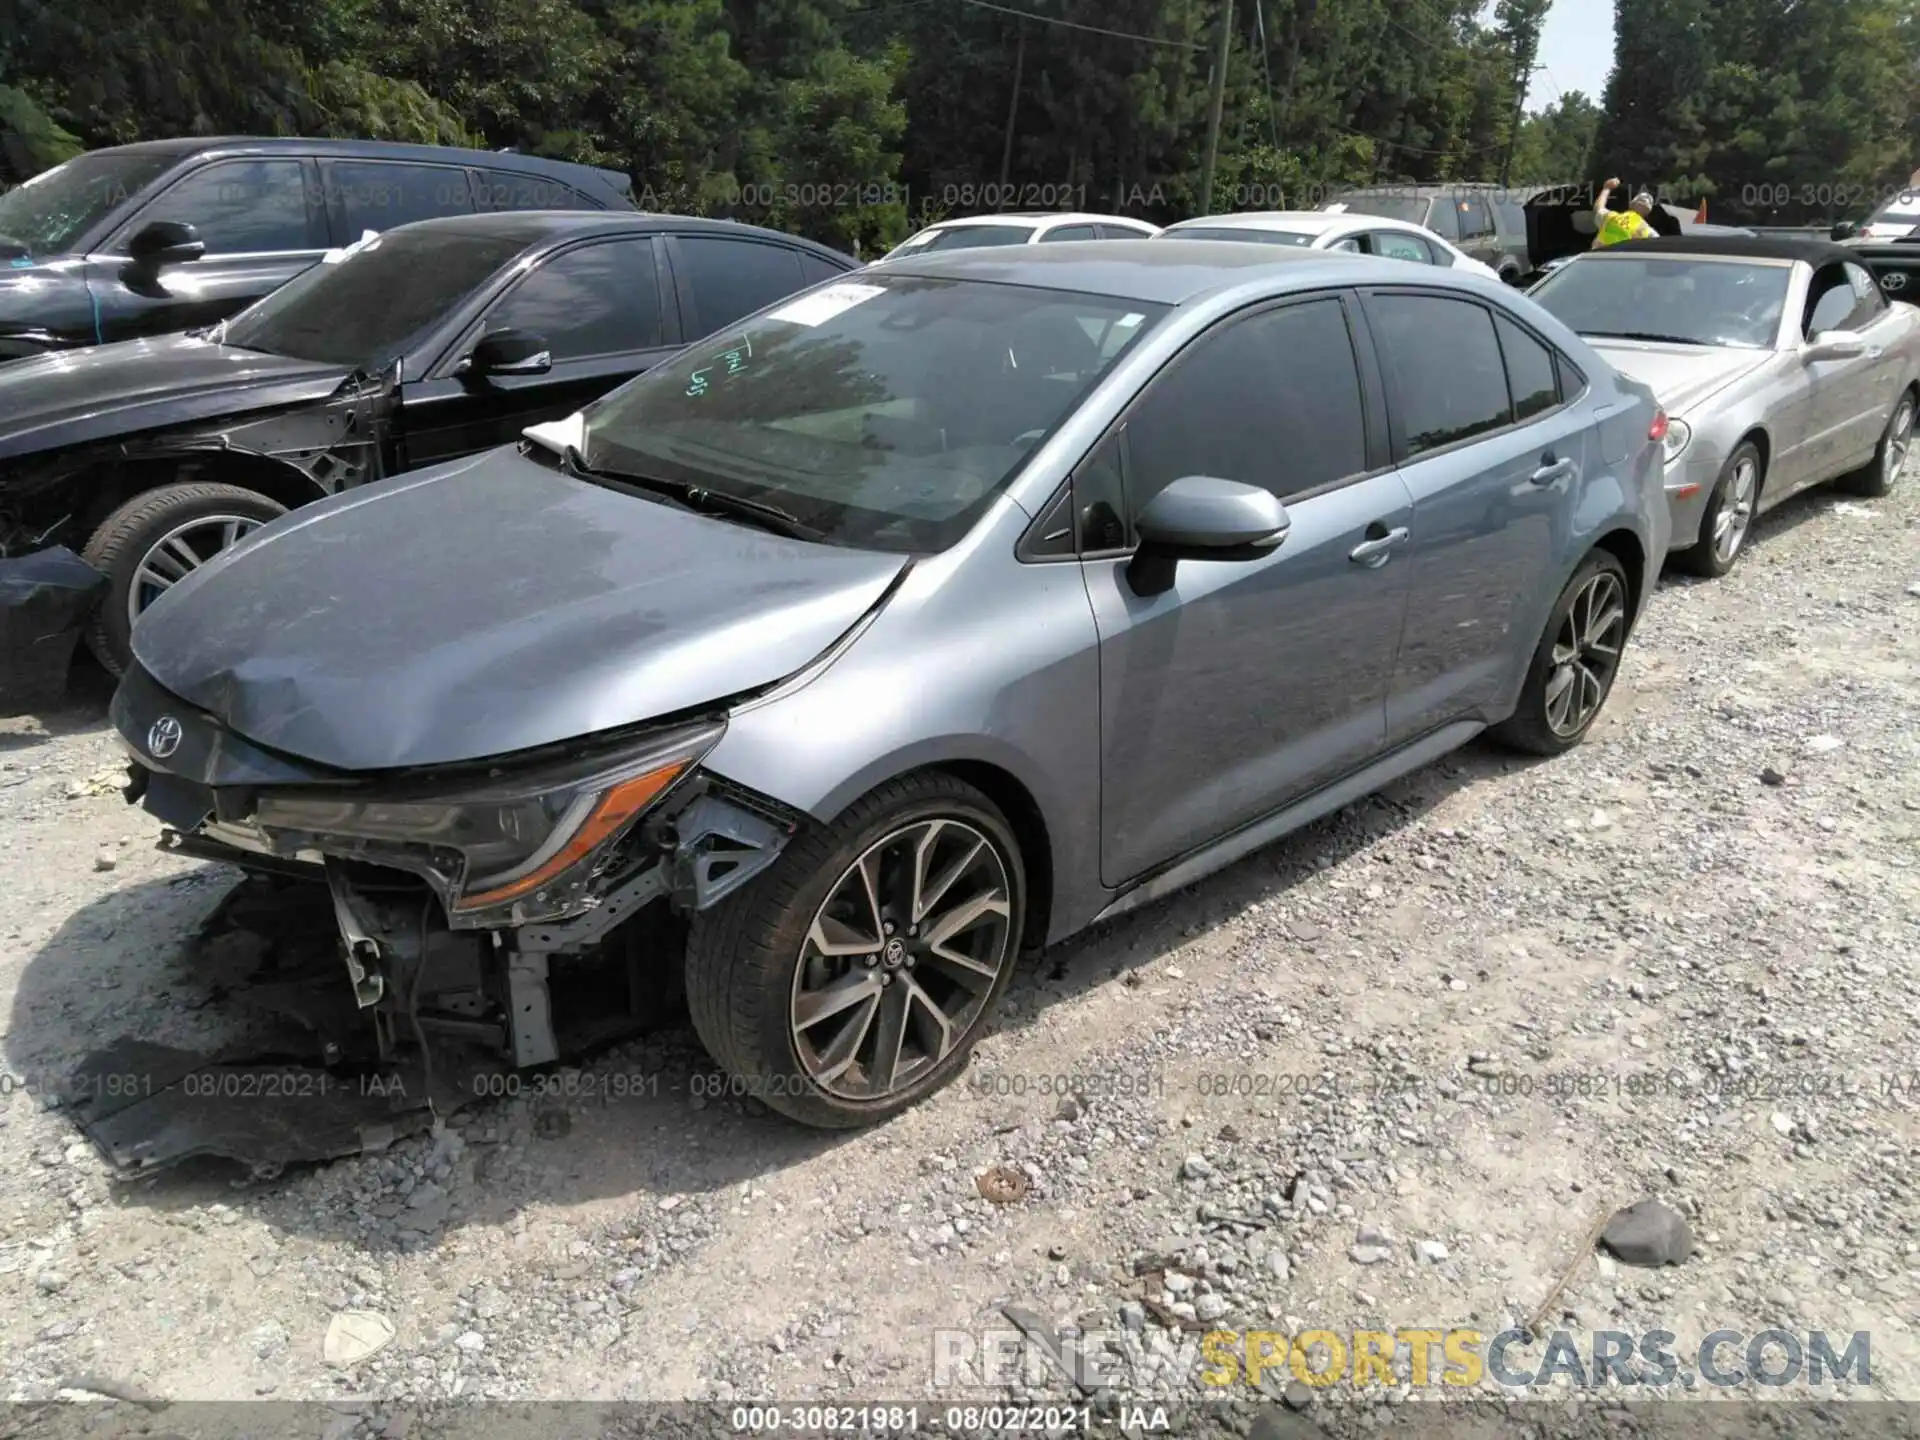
<point>164,738</point>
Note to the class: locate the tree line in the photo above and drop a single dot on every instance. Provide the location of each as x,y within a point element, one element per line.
<point>854,120</point>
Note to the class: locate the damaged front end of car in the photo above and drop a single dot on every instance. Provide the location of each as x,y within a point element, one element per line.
<point>489,917</point>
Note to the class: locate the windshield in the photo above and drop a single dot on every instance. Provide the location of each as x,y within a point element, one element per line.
<point>364,308</point>
<point>886,413</point>
<point>1695,302</point>
<point>964,237</point>
<point>1411,208</point>
<point>1245,234</point>
<point>1902,209</point>
<point>48,214</point>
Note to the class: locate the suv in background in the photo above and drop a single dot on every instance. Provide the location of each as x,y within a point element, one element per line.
<point>169,235</point>
<point>1488,222</point>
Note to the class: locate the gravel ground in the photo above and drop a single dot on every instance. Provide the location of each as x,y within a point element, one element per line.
<point>1386,1074</point>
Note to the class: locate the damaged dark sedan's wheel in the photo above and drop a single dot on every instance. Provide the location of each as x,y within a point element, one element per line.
<point>853,978</point>
<point>155,540</point>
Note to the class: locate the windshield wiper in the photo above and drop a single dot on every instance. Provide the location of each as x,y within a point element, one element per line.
<point>1646,335</point>
<point>695,497</point>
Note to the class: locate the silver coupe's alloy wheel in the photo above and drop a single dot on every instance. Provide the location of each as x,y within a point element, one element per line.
<point>181,551</point>
<point>1899,442</point>
<point>900,959</point>
<point>1736,509</point>
<point>1585,654</point>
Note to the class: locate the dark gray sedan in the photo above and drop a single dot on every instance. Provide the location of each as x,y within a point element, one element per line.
<point>930,615</point>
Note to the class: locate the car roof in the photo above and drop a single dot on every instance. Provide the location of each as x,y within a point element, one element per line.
<point>1034,219</point>
<point>1304,221</point>
<point>1166,270</point>
<point>531,227</point>
<point>1746,247</point>
<point>185,145</point>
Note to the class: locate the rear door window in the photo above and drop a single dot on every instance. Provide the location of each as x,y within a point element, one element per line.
<point>729,278</point>
<point>381,194</point>
<point>1446,377</point>
<point>1398,245</point>
<point>814,268</point>
<point>1070,232</point>
<point>1475,219</point>
<point>241,207</point>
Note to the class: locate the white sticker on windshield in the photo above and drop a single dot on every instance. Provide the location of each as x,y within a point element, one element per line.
<point>334,257</point>
<point>1129,320</point>
<point>825,304</point>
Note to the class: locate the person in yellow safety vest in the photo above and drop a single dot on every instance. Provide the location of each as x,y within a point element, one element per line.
<point>1613,226</point>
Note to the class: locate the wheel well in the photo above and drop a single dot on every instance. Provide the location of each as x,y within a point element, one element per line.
<point>1625,547</point>
<point>1758,439</point>
<point>271,478</point>
<point>1029,828</point>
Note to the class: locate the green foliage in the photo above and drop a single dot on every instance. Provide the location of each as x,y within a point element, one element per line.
<point>1556,146</point>
<point>1782,111</point>
<point>852,120</point>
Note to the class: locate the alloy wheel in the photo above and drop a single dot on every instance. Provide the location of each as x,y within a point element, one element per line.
<point>1736,509</point>
<point>1899,441</point>
<point>901,959</point>
<point>181,551</point>
<point>1586,652</point>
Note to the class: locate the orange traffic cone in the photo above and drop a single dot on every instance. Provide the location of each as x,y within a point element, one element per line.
<point>1701,217</point>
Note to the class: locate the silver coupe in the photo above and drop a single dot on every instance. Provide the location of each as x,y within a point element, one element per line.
<point>1779,363</point>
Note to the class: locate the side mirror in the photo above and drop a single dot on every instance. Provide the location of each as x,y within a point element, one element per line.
<point>165,242</point>
<point>1844,230</point>
<point>1834,345</point>
<point>509,352</point>
<point>1201,517</point>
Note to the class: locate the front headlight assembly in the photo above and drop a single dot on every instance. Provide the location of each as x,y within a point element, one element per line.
<point>521,846</point>
<point>1675,441</point>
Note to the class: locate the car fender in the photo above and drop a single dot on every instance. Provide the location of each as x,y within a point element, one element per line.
<point>993,664</point>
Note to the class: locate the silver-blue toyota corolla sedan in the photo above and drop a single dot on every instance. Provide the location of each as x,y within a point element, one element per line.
<point>930,615</point>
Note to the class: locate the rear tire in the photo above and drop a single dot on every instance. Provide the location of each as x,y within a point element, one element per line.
<point>128,545</point>
<point>1574,665</point>
<point>1878,477</point>
<point>771,970</point>
<point>1727,522</point>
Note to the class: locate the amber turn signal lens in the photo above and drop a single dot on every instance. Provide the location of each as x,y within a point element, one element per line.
<point>619,805</point>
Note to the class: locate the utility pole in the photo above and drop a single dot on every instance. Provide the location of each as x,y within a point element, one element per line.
<point>1519,109</point>
<point>1013,108</point>
<point>1215,104</point>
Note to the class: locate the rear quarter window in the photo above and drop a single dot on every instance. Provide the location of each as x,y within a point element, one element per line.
<point>508,190</point>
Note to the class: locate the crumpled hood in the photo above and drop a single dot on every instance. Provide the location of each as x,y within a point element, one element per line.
<point>488,606</point>
<point>1681,375</point>
<point>101,392</point>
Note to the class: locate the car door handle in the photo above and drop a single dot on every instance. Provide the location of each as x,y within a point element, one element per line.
<point>1376,550</point>
<point>1552,471</point>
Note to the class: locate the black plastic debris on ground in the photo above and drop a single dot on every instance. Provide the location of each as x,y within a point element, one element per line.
<point>46,599</point>
<point>306,1088</point>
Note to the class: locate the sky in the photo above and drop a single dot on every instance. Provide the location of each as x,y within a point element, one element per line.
<point>1576,47</point>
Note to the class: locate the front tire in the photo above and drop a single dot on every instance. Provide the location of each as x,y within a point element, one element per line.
<point>1728,518</point>
<point>1881,473</point>
<point>1574,666</point>
<point>155,539</point>
<point>853,978</point>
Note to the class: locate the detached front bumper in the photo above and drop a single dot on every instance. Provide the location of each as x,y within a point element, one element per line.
<point>46,600</point>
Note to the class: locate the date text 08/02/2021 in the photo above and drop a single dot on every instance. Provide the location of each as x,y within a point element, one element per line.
<point>969,1419</point>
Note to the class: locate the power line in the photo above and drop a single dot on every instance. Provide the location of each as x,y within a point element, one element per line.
<point>1091,29</point>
